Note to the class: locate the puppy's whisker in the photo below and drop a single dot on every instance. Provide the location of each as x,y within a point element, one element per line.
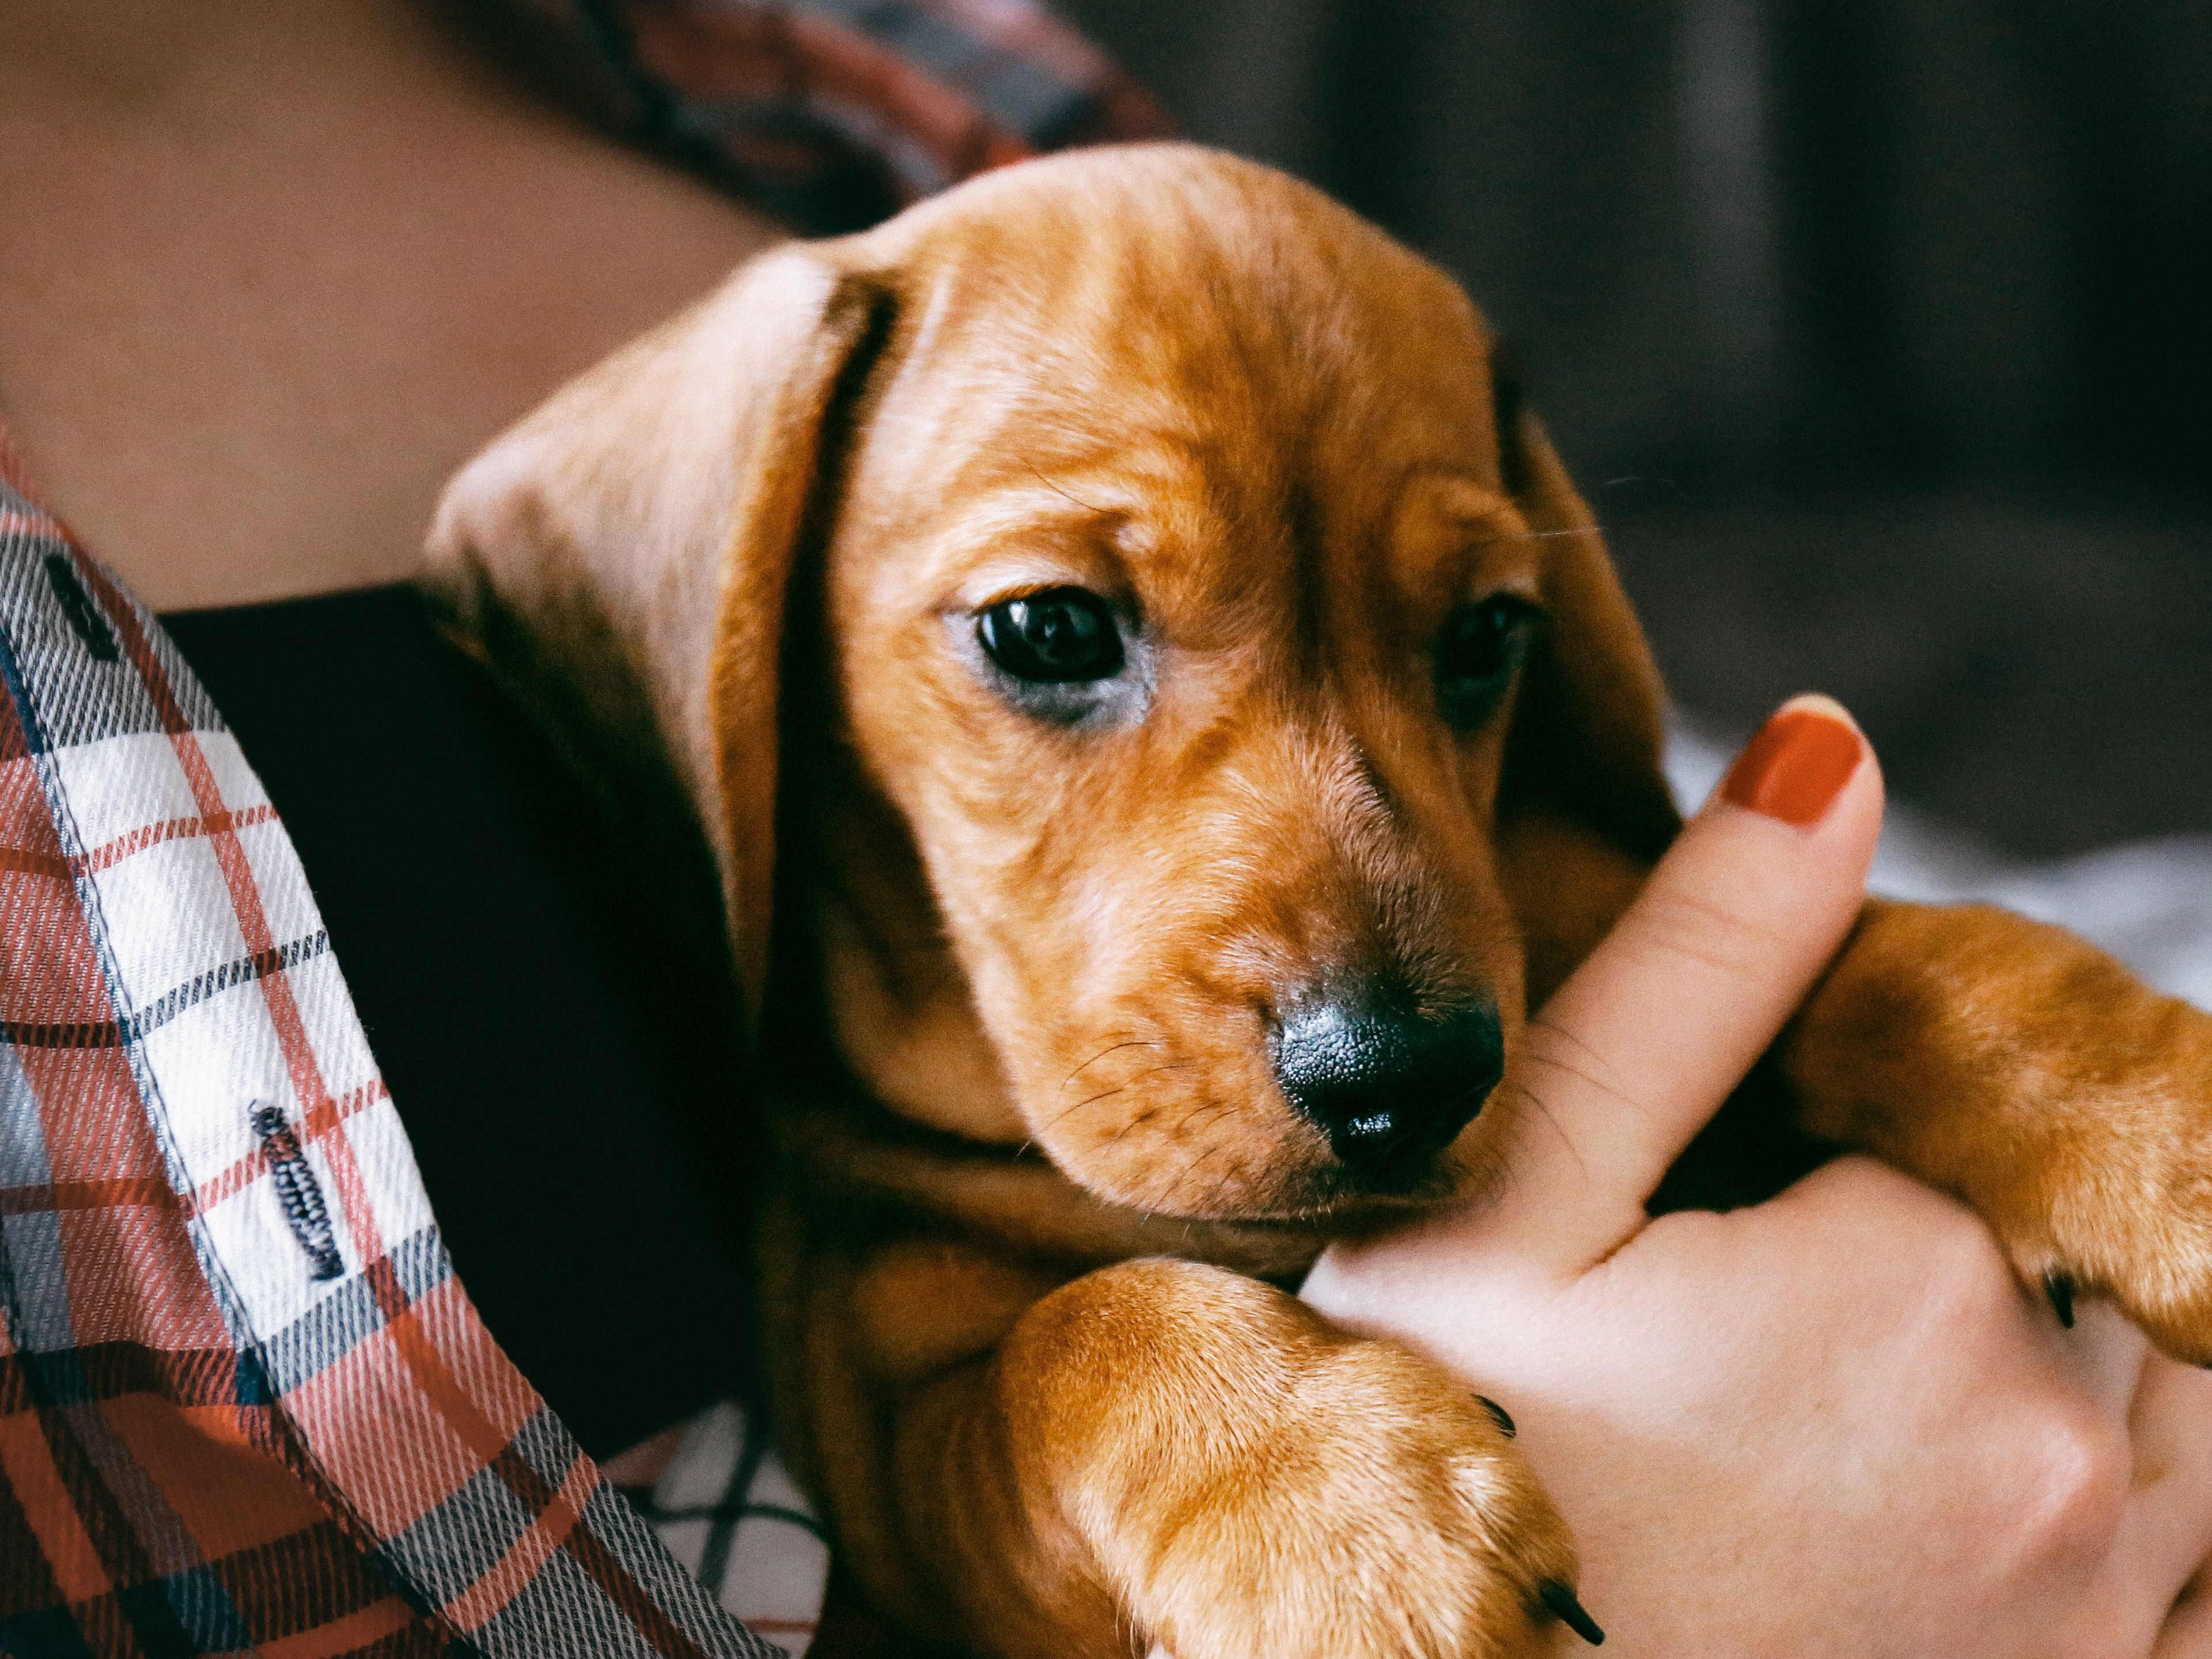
<point>1164,1066</point>
<point>1190,1171</point>
<point>1207,1113</point>
<point>1154,1071</point>
<point>1537,1101</point>
<point>1145,1116</point>
<point>1112,1049</point>
<point>1559,1030</point>
<point>1578,1074</point>
<point>1475,1092</point>
<point>1191,1176</point>
<point>1070,1111</point>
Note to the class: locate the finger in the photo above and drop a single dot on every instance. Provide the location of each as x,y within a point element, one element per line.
<point>2169,1536</point>
<point>1638,1048</point>
<point>2107,1352</point>
<point>2187,1633</point>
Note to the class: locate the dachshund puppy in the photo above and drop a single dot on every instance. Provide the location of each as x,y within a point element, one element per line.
<point>1162,715</point>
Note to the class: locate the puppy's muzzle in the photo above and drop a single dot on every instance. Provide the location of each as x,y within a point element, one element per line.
<point>1390,1087</point>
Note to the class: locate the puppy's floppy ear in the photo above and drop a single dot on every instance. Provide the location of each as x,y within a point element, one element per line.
<point>622,557</point>
<point>1587,732</point>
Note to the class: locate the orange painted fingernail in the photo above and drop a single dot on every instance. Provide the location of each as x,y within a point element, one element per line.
<point>1796,766</point>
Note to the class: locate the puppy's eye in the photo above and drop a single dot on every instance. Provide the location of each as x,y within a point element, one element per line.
<point>1482,647</point>
<point>1061,634</point>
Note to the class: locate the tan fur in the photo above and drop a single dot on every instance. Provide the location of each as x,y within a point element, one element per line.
<point>1029,1364</point>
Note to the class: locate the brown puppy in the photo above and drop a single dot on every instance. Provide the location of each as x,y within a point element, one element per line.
<point>1196,717</point>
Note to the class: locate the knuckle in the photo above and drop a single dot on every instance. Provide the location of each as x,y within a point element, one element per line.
<point>1965,1285</point>
<point>1968,1280</point>
<point>2075,1472</point>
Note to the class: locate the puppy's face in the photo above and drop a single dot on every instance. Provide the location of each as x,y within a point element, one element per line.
<point>1177,602</point>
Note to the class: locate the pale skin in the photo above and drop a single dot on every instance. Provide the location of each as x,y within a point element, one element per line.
<point>292,264</point>
<point>1845,1393</point>
<point>295,263</point>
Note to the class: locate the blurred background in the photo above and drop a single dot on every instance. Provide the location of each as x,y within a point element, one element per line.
<point>1879,337</point>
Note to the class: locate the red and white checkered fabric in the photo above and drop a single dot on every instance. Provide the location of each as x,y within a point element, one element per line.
<point>833,114</point>
<point>245,1404</point>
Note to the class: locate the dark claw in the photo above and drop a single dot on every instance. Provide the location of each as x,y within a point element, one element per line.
<point>2059,1287</point>
<point>1561,1600</point>
<point>1497,1414</point>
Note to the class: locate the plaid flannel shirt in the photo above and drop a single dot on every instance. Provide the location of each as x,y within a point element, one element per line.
<point>245,1404</point>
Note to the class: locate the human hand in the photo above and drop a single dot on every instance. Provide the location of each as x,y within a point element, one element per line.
<point>1834,1423</point>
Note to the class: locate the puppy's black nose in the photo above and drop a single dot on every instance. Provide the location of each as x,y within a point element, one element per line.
<point>1390,1087</point>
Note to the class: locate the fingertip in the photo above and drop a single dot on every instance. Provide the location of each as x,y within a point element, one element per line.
<point>1798,763</point>
<point>1809,773</point>
<point>1818,703</point>
<point>1671,1009</point>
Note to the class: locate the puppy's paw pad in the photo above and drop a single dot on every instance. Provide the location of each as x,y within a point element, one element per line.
<point>1389,1517</point>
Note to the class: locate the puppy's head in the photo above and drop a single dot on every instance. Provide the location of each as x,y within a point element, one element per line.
<point>1155,608</point>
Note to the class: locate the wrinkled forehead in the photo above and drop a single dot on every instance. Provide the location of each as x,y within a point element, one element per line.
<point>1217,344</point>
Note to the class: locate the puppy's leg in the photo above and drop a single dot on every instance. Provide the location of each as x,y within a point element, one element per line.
<point>1166,1451</point>
<point>2003,1061</point>
<point>2013,1065</point>
<point>1245,1480</point>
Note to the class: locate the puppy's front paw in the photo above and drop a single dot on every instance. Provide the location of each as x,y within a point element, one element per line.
<point>2115,1193</point>
<point>1271,1488</point>
<point>2126,1206</point>
<point>2023,1069</point>
<point>1382,1513</point>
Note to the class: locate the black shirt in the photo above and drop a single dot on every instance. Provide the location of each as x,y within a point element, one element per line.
<point>565,1070</point>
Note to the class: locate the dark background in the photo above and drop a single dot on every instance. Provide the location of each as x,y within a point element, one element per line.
<point>1878,335</point>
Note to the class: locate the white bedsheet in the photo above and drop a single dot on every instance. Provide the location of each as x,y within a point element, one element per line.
<point>2149,902</point>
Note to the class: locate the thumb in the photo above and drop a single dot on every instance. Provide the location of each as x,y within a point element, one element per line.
<point>1635,1053</point>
